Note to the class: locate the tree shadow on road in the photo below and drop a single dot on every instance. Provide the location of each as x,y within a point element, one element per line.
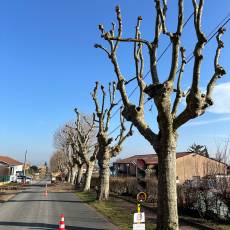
<point>45,200</point>
<point>42,226</point>
<point>29,191</point>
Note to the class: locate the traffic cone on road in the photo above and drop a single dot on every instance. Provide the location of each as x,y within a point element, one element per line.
<point>46,191</point>
<point>62,223</point>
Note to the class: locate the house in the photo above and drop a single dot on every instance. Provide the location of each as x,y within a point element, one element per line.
<point>4,173</point>
<point>9,168</point>
<point>188,166</point>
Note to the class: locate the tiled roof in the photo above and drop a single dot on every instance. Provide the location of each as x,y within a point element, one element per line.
<point>149,158</point>
<point>9,160</point>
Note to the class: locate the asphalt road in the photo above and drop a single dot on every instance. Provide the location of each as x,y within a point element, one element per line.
<point>30,209</point>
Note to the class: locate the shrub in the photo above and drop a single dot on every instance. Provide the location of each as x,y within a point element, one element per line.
<point>129,186</point>
<point>151,189</point>
<point>123,185</point>
<point>203,201</point>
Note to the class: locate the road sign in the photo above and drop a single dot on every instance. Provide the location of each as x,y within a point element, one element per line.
<point>138,226</point>
<point>141,196</point>
<point>139,221</point>
<point>139,218</point>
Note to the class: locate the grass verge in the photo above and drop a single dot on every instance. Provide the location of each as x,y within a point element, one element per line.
<point>116,211</point>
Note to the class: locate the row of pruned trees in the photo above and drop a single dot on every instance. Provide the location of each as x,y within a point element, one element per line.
<point>87,141</point>
<point>165,92</point>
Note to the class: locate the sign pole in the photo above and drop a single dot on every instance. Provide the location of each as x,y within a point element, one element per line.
<point>139,217</point>
<point>138,207</point>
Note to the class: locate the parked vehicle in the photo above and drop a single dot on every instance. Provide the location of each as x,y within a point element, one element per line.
<point>26,179</point>
<point>53,179</point>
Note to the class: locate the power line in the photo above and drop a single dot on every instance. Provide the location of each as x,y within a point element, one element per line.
<point>158,59</point>
<point>210,37</point>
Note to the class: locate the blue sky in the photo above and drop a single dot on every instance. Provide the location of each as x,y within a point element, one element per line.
<point>49,66</point>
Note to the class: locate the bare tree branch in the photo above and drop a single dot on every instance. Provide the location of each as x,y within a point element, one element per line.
<point>98,111</point>
<point>196,102</point>
<point>199,45</point>
<point>112,91</point>
<point>162,14</point>
<point>179,93</point>
<point>154,46</point>
<point>138,57</point>
<point>103,48</point>
<point>116,149</point>
<point>175,39</point>
<point>219,70</point>
<point>129,40</point>
<point>103,102</point>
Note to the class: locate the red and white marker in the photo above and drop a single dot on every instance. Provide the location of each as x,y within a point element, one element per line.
<point>46,191</point>
<point>62,223</point>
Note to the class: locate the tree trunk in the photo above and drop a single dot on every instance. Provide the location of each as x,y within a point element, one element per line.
<point>104,173</point>
<point>79,175</point>
<point>69,174</point>
<point>89,173</point>
<point>167,217</point>
<point>74,172</point>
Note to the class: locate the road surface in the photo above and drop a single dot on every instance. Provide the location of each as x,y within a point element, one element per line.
<point>30,209</point>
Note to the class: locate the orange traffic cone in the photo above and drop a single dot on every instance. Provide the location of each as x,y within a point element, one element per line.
<point>46,191</point>
<point>62,223</point>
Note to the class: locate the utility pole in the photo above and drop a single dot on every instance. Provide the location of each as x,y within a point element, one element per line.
<point>24,166</point>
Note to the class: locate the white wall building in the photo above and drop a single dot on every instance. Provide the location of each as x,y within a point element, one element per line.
<point>13,166</point>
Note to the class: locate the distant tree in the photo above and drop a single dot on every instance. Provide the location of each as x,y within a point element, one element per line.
<point>222,153</point>
<point>199,149</point>
<point>82,137</point>
<point>34,169</point>
<point>61,143</point>
<point>58,161</point>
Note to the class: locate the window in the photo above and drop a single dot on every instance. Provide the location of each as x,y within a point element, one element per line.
<point>11,170</point>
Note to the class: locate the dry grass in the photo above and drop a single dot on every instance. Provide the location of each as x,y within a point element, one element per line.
<point>119,212</point>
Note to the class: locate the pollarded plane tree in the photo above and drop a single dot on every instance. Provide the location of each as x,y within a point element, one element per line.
<point>107,146</point>
<point>86,136</point>
<point>61,144</point>
<point>82,136</point>
<point>74,162</point>
<point>162,94</point>
<point>76,158</point>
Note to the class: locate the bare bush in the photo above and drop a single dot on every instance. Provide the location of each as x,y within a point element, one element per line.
<point>206,202</point>
<point>151,189</point>
<point>128,186</point>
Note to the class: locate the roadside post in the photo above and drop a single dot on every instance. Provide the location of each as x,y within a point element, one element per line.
<point>46,191</point>
<point>139,217</point>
